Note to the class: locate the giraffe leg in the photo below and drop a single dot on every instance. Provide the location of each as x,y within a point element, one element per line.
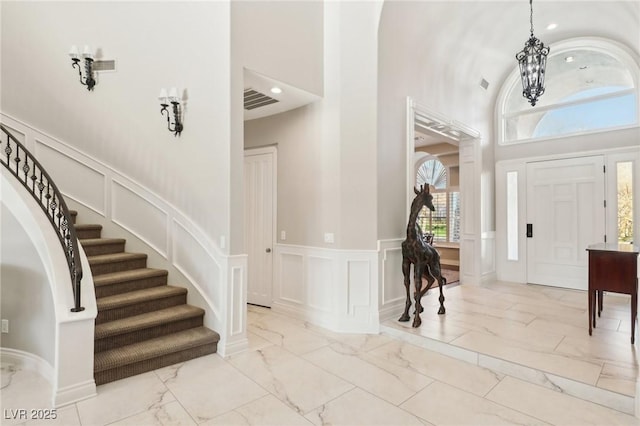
<point>441,282</point>
<point>418,269</point>
<point>406,270</point>
<point>430,281</point>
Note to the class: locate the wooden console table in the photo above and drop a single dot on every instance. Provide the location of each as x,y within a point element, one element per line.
<point>613,267</point>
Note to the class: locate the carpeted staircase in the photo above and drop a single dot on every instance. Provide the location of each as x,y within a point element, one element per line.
<point>142,323</point>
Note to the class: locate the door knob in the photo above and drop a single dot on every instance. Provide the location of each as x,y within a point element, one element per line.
<point>268,250</point>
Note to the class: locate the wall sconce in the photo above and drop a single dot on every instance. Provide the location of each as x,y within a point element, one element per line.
<point>88,79</point>
<point>176,109</point>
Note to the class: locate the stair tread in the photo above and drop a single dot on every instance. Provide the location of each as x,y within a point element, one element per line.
<point>154,348</point>
<point>450,261</point>
<point>137,296</point>
<point>130,275</point>
<point>100,241</point>
<point>114,257</point>
<point>147,320</point>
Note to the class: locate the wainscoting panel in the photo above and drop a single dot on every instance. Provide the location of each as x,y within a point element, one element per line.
<point>320,281</point>
<point>78,181</point>
<point>236,310</point>
<point>290,278</point>
<point>358,286</point>
<point>392,292</point>
<point>22,138</point>
<point>468,259</point>
<point>140,216</point>
<point>488,259</point>
<point>336,289</point>
<point>193,260</point>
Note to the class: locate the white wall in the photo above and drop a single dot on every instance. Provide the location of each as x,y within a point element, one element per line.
<point>326,156</point>
<point>326,181</point>
<point>282,40</point>
<point>418,63</point>
<point>155,45</point>
<point>301,204</point>
<point>263,41</point>
<point>25,293</point>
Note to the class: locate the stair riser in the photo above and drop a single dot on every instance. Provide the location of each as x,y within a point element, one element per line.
<point>118,373</point>
<point>110,248</point>
<point>140,308</point>
<point>149,333</point>
<point>118,266</point>
<point>126,286</point>
<point>88,233</point>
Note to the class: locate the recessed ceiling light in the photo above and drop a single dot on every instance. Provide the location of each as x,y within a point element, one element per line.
<point>276,90</point>
<point>569,59</point>
<point>552,26</point>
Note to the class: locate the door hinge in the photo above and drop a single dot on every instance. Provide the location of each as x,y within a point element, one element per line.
<point>605,238</point>
<point>604,169</point>
<point>605,204</point>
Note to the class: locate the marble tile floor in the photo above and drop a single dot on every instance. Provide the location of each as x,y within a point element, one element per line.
<point>295,373</point>
<point>535,333</point>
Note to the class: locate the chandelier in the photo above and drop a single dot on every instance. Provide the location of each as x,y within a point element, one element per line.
<point>532,60</point>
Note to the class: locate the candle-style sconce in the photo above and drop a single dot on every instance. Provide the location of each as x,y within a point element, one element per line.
<point>87,55</point>
<point>174,117</point>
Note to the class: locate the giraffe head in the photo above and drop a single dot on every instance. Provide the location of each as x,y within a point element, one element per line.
<point>423,198</point>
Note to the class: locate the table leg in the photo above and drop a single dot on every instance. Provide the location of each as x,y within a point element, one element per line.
<point>591,310</point>
<point>600,294</point>
<point>634,312</point>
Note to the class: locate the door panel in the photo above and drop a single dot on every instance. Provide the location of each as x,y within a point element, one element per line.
<point>565,206</point>
<point>259,226</point>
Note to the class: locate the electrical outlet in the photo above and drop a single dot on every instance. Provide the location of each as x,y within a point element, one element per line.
<point>5,325</point>
<point>283,235</point>
<point>328,237</point>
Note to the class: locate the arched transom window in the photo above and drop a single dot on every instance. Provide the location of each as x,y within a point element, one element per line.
<point>591,85</point>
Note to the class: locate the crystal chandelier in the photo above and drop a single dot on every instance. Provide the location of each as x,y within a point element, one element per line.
<point>532,60</point>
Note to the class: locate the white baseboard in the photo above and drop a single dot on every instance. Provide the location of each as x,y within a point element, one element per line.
<point>28,361</point>
<point>226,350</point>
<point>75,393</point>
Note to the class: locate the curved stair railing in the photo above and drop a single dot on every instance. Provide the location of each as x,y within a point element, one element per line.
<point>38,182</point>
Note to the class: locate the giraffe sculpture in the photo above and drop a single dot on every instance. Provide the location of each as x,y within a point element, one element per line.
<point>425,259</point>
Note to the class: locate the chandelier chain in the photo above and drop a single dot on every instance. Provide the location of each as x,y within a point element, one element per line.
<point>531,15</point>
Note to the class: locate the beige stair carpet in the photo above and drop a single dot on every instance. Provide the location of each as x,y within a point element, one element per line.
<point>142,323</point>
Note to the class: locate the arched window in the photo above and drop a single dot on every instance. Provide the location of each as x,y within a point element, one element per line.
<point>444,222</point>
<point>591,86</point>
<point>432,172</point>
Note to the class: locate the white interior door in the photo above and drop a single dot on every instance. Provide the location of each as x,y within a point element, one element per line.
<point>566,213</point>
<point>259,178</point>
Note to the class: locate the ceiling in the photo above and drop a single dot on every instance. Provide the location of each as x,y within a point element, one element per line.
<point>289,98</point>
<point>480,37</point>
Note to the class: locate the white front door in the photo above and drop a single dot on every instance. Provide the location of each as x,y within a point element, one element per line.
<point>259,184</point>
<point>565,214</point>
